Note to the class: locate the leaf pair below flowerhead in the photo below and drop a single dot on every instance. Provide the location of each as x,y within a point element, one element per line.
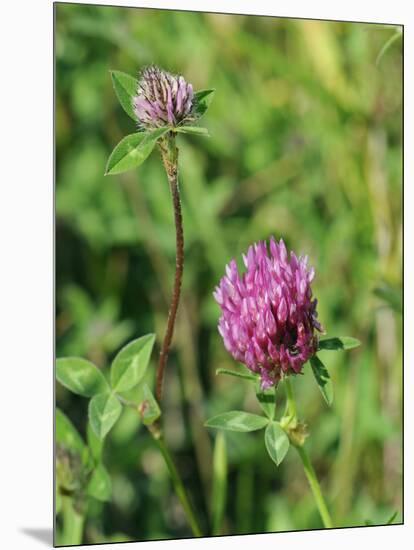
<point>276,439</point>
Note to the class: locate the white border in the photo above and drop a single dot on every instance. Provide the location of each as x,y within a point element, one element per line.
<point>27,271</point>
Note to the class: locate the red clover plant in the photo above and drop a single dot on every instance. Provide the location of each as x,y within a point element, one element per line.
<point>269,323</point>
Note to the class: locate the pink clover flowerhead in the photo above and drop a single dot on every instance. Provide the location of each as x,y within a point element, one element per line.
<point>268,314</point>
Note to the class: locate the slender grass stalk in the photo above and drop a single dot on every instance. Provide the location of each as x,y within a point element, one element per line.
<point>73,523</point>
<point>176,480</point>
<point>219,493</point>
<point>169,153</point>
<point>309,470</point>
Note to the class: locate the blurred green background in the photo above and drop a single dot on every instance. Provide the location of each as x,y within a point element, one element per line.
<point>306,130</point>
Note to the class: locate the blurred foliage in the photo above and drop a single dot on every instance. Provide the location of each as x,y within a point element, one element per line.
<point>306,144</point>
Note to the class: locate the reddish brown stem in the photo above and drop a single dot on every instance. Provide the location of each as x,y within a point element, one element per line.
<point>169,153</point>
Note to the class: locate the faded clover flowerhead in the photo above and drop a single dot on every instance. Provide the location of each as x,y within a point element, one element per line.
<point>269,318</point>
<point>163,99</point>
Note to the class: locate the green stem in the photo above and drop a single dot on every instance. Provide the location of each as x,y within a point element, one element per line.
<point>309,470</point>
<point>290,403</point>
<point>316,488</point>
<point>177,483</point>
<point>72,524</point>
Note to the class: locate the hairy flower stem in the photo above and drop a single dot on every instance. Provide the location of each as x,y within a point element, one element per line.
<point>176,480</point>
<point>169,153</point>
<point>309,470</point>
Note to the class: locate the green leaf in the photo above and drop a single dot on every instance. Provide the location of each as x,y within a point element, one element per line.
<point>66,433</point>
<point>219,491</point>
<point>202,101</point>
<point>125,87</point>
<point>132,150</point>
<point>267,401</point>
<point>277,442</point>
<point>104,411</point>
<point>321,375</point>
<point>130,364</point>
<point>237,374</point>
<point>237,421</point>
<point>80,376</point>
<point>197,130</point>
<point>339,342</point>
<point>94,443</point>
<point>100,486</point>
<point>149,409</point>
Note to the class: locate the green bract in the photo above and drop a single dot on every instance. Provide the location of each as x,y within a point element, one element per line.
<point>322,378</point>
<point>339,343</point>
<point>203,99</point>
<point>125,87</point>
<point>149,408</point>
